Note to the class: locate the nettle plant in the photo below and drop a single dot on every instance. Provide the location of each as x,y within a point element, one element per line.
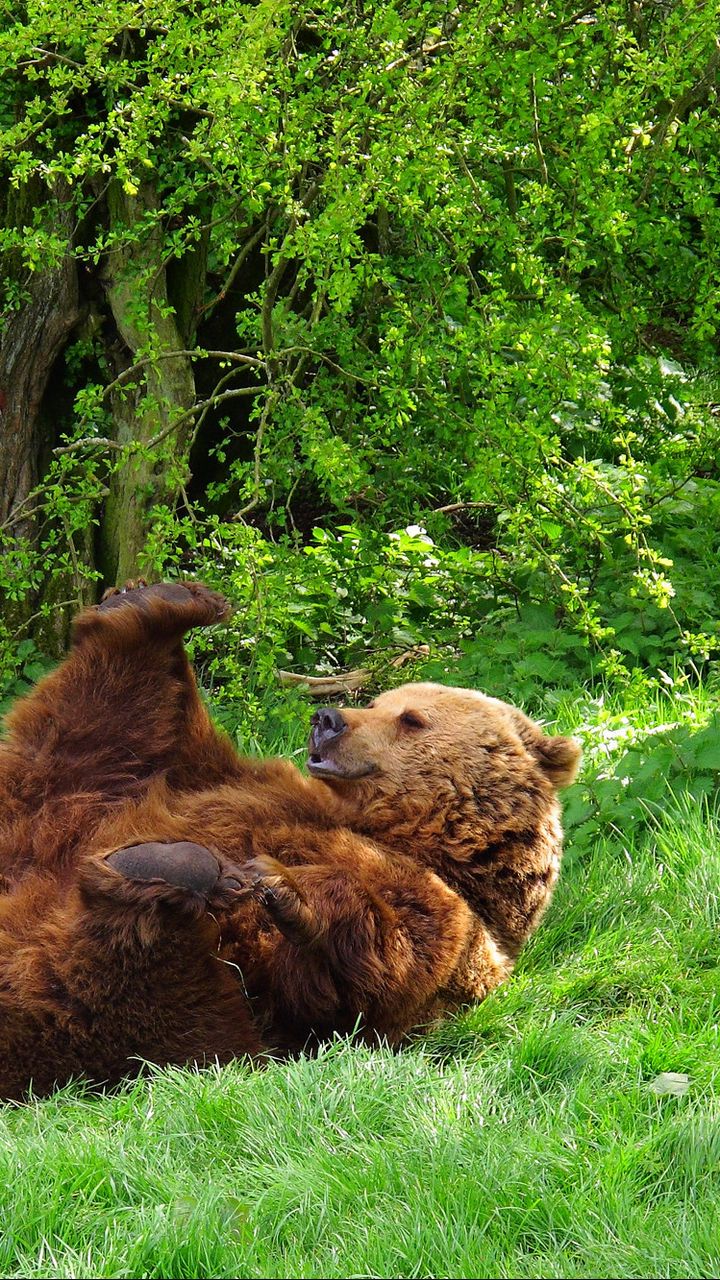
<point>641,760</point>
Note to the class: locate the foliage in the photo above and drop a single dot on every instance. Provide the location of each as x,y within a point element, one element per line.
<point>29,667</point>
<point>452,269</point>
<point>642,753</point>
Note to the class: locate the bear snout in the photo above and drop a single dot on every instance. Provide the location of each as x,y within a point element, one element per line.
<point>327,724</point>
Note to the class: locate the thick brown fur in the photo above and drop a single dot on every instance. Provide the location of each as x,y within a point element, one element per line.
<point>163,899</point>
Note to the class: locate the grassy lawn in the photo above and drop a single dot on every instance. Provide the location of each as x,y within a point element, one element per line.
<point>523,1139</point>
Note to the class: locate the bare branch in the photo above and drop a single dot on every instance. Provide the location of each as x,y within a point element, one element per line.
<point>235,269</point>
<point>89,442</point>
<point>347,681</point>
<point>328,686</point>
<point>200,353</point>
<point>211,402</point>
<point>450,507</point>
<point>536,135</point>
<point>257,457</point>
<point>320,355</point>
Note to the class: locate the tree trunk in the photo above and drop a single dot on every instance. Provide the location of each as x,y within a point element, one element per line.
<point>30,344</point>
<point>29,347</point>
<point>157,399</point>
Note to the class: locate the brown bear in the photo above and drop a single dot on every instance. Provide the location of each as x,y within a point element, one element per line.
<point>163,899</point>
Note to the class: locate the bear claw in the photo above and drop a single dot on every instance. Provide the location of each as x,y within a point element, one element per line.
<point>280,895</point>
<point>131,585</point>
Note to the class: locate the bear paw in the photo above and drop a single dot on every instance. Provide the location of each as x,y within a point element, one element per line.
<point>181,865</point>
<point>277,888</point>
<point>190,603</point>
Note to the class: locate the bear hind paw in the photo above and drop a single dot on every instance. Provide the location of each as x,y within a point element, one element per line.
<point>179,867</point>
<point>138,611</point>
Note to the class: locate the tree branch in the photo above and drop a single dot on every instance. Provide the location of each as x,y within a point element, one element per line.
<point>510,189</point>
<point>536,135</point>
<point>235,270</point>
<point>198,354</point>
<point>257,456</point>
<point>685,102</point>
<point>451,507</point>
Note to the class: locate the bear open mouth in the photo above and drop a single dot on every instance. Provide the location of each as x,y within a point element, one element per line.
<point>324,767</point>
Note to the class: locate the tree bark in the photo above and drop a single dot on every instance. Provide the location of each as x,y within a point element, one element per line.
<point>29,347</point>
<point>31,342</point>
<point>135,277</point>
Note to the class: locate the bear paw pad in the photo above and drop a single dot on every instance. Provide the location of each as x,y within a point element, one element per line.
<point>182,864</point>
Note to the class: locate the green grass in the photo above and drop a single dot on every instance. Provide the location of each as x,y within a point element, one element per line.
<point>521,1139</point>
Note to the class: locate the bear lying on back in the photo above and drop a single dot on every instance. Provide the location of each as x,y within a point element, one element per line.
<point>162,898</point>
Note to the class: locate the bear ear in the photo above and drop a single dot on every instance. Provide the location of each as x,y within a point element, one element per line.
<point>559,758</point>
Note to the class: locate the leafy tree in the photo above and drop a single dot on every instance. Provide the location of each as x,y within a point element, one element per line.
<point>273,267</point>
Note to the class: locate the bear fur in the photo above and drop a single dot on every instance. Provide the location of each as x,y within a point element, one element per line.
<point>163,899</point>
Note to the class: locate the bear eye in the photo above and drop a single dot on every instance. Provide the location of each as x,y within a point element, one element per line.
<point>412,720</point>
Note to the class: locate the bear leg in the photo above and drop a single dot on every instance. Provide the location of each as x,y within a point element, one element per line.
<point>115,972</point>
<point>122,709</point>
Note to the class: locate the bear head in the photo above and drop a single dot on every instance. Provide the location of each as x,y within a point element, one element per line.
<point>441,772</point>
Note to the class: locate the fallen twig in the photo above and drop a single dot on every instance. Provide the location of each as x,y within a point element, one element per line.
<point>328,686</point>
<point>347,681</point>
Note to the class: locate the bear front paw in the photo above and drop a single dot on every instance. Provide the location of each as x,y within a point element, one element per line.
<point>277,888</point>
<point>183,864</point>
